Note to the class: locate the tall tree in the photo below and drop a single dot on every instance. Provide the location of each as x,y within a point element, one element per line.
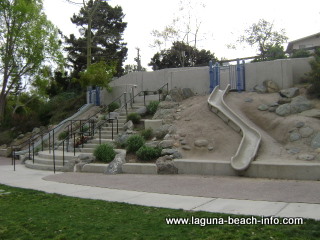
<point>181,55</point>
<point>185,26</point>
<point>101,28</point>
<point>27,39</point>
<point>264,37</point>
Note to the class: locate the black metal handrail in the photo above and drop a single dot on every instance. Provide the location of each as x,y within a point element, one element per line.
<point>73,128</point>
<point>51,132</point>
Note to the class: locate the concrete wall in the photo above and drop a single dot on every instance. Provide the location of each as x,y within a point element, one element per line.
<point>279,71</point>
<point>300,66</point>
<point>285,72</point>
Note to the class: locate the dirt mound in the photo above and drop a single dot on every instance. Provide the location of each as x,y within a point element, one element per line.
<point>196,121</point>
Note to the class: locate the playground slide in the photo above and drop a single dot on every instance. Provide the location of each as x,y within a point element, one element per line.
<point>251,138</point>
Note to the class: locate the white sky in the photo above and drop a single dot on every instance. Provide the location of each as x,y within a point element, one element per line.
<point>222,22</point>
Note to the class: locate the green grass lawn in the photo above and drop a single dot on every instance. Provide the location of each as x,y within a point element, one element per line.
<point>28,214</point>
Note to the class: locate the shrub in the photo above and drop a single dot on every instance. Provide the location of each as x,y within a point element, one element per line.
<point>146,153</point>
<point>152,107</point>
<point>113,106</point>
<point>134,142</point>
<point>134,117</point>
<point>104,153</point>
<point>314,75</point>
<point>147,133</point>
<point>63,135</point>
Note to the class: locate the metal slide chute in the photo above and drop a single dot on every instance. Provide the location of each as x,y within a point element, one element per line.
<point>251,138</point>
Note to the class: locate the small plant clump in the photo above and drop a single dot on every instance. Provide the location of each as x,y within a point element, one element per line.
<point>146,153</point>
<point>113,106</point>
<point>134,117</point>
<point>152,107</point>
<point>104,153</point>
<point>147,134</point>
<point>134,142</point>
<point>63,135</point>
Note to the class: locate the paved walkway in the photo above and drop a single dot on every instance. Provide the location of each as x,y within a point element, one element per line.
<point>229,195</point>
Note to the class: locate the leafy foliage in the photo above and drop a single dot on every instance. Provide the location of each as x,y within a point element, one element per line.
<point>147,133</point>
<point>63,135</point>
<point>300,53</point>
<point>104,153</point>
<point>152,107</point>
<point>263,35</point>
<point>134,117</point>
<point>273,52</point>
<point>27,39</point>
<point>146,153</point>
<point>113,106</point>
<point>134,142</point>
<point>97,74</point>
<point>181,55</point>
<point>107,45</point>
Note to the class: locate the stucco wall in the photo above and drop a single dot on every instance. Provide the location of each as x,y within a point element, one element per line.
<point>285,72</point>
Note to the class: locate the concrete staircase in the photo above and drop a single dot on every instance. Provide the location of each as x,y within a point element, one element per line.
<point>44,159</point>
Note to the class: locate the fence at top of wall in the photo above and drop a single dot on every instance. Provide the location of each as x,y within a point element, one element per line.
<point>285,72</point>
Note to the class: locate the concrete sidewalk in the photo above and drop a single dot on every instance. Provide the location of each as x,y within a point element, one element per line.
<point>35,179</point>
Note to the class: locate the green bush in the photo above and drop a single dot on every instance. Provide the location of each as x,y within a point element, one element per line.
<point>134,142</point>
<point>147,133</point>
<point>134,117</point>
<point>113,106</point>
<point>152,107</point>
<point>104,153</point>
<point>63,135</point>
<point>146,153</point>
<point>314,75</point>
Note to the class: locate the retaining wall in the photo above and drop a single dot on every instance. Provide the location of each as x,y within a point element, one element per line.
<point>285,72</point>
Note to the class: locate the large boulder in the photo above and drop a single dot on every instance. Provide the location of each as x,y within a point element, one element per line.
<point>128,126</point>
<point>142,111</point>
<point>271,86</point>
<point>260,88</point>
<point>289,92</point>
<point>115,166</point>
<point>284,110</point>
<point>176,95</point>
<point>166,166</point>
<point>300,104</point>
<point>297,105</point>
<point>187,93</point>
<point>162,131</point>
<point>315,143</point>
<point>315,113</point>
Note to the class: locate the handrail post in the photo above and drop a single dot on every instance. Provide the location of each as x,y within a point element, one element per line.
<point>117,126</point>
<point>53,153</point>
<point>63,153</point>
<point>29,149</point>
<point>144,98</point>
<point>112,129</point>
<point>100,134</point>
<point>14,159</point>
<point>132,89</point>
<point>49,143</point>
<point>41,142</point>
<point>125,102</point>
<point>74,144</point>
<point>33,152</point>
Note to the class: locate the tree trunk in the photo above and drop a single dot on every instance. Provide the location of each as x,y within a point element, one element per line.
<point>2,106</point>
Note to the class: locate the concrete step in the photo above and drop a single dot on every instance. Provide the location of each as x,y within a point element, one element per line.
<point>58,155</point>
<point>96,141</point>
<point>87,150</point>
<point>45,161</point>
<point>29,164</point>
